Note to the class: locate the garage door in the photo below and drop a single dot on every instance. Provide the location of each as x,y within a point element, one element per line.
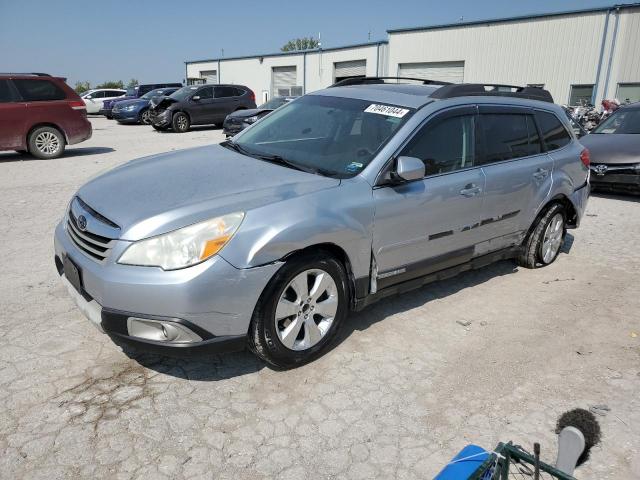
<point>283,81</point>
<point>443,71</point>
<point>353,68</point>
<point>210,76</point>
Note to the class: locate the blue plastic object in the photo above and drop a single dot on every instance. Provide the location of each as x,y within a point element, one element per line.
<point>464,464</point>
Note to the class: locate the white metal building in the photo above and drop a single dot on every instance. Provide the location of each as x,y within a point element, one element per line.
<point>292,73</point>
<point>583,55</point>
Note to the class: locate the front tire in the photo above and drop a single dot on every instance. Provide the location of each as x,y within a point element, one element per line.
<point>145,117</point>
<point>543,244</point>
<point>46,143</point>
<point>300,311</point>
<point>180,122</point>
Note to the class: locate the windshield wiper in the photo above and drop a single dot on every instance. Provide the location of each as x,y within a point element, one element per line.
<point>277,159</point>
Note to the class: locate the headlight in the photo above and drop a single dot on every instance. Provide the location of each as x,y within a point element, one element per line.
<point>184,247</point>
<point>129,108</point>
<point>253,119</point>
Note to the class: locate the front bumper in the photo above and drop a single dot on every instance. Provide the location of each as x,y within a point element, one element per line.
<point>161,118</point>
<point>213,299</point>
<point>125,116</point>
<point>233,128</point>
<point>616,182</point>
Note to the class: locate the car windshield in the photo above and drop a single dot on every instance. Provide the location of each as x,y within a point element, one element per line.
<point>333,136</point>
<point>622,121</point>
<point>274,103</point>
<point>154,93</point>
<point>183,93</point>
<point>131,91</point>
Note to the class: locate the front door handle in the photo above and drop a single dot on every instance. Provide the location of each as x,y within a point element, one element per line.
<point>470,190</point>
<point>541,174</point>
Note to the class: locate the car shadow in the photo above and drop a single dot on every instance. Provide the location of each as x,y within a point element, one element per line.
<point>72,152</point>
<point>224,366</point>
<point>617,196</point>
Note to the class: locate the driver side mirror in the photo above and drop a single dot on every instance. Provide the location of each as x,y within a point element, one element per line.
<point>196,98</point>
<point>408,169</point>
<point>89,97</point>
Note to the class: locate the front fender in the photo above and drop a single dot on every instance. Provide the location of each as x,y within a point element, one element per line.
<point>340,216</point>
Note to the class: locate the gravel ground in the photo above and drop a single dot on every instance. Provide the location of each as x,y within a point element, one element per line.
<point>404,389</point>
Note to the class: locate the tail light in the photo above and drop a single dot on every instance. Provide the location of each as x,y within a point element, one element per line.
<point>77,105</point>
<point>585,157</point>
<point>252,96</point>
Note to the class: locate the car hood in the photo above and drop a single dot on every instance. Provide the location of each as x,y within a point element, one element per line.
<point>157,194</point>
<point>612,148</point>
<point>135,101</point>
<point>249,113</point>
<point>109,103</point>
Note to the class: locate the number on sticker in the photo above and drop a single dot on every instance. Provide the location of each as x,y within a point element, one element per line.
<point>386,110</point>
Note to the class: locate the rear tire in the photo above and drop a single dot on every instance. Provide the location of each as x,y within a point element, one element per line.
<point>46,143</point>
<point>300,311</point>
<point>180,122</point>
<point>544,242</point>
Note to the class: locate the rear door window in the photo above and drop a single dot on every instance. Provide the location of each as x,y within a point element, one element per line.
<point>225,92</point>
<point>38,90</point>
<point>6,95</point>
<point>554,134</point>
<point>508,136</point>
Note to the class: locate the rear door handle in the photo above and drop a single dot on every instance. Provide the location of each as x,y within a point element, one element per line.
<point>541,174</point>
<point>470,190</point>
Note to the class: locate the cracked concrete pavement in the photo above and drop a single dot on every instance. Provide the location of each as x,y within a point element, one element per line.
<point>404,388</point>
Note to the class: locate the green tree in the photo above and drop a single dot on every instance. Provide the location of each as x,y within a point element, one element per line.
<point>133,83</point>
<point>111,84</point>
<point>82,87</point>
<point>304,43</point>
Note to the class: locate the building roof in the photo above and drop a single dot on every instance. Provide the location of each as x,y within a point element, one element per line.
<point>512,19</point>
<point>293,52</point>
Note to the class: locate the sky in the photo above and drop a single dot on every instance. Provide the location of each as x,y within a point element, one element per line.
<point>150,40</point>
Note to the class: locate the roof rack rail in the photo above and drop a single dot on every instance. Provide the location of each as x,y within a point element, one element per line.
<point>492,90</point>
<point>378,80</point>
<point>37,74</point>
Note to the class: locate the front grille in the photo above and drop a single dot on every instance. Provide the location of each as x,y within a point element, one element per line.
<point>618,168</point>
<point>95,246</point>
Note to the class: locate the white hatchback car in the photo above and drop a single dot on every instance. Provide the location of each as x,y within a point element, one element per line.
<point>93,98</point>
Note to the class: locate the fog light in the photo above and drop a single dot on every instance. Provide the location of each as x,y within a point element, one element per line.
<point>160,331</point>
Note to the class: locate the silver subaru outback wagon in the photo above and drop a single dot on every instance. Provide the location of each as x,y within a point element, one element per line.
<point>340,198</point>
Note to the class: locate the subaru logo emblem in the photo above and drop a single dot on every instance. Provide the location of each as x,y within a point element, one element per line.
<point>82,223</point>
<point>601,169</point>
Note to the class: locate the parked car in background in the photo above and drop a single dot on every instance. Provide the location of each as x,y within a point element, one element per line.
<point>134,92</point>
<point>241,119</point>
<point>40,114</point>
<point>199,105</point>
<point>137,109</point>
<point>343,197</point>
<point>615,151</point>
<point>93,99</point>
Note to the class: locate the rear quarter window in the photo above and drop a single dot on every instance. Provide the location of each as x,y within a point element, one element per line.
<point>39,90</point>
<point>554,134</point>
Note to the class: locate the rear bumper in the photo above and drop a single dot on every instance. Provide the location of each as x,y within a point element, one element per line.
<point>82,133</point>
<point>579,199</point>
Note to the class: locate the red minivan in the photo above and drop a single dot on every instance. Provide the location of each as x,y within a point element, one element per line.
<point>40,114</point>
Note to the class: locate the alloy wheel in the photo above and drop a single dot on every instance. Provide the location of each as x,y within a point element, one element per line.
<point>182,122</point>
<point>146,118</point>
<point>306,309</point>
<point>553,236</point>
<point>47,143</point>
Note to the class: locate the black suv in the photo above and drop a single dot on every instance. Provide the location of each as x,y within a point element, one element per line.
<point>199,105</point>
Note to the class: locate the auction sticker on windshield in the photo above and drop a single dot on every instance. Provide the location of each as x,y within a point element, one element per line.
<point>386,110</point>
